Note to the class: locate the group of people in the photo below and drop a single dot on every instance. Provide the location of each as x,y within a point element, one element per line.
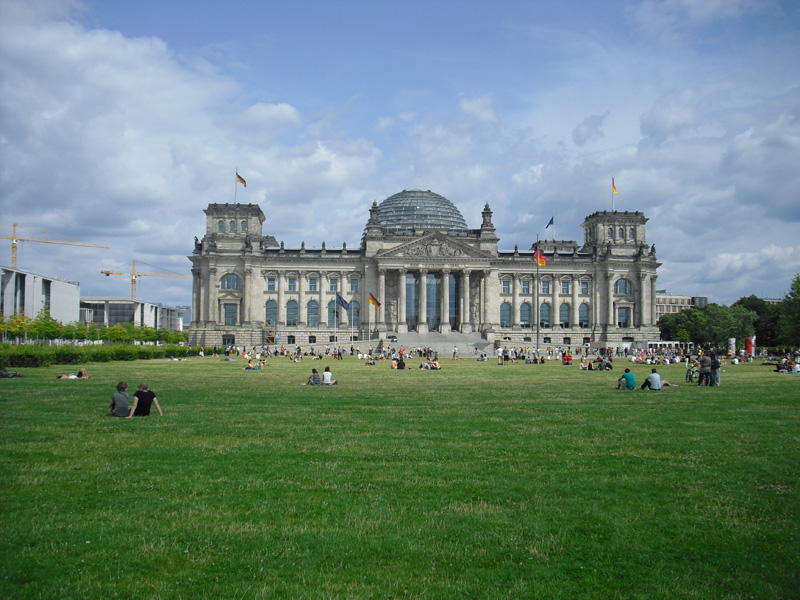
<point>325,379</point>
<point>143,400</point>
<point>653,381</point>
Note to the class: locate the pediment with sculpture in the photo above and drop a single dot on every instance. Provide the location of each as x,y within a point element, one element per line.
<point>432,247</point>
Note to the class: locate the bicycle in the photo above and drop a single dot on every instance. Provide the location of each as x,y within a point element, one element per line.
<point>692,374</point>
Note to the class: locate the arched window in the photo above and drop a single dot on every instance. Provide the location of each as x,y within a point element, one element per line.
<point>621,233</point>
<point>583,315</point>
<point>272,313</point>
<point>563,315</point>
<point>623,286</point>
<point>221,226</point>
<point>291,313</point>
<point>243,226</point>
<point>630,233</point>
<point>525,315</point>
<point>505,315</point>
<point>232,227</point>
<point>354,314</point>
<point>544,315</point>
<point>231,281</point>
<point>333,314</point>
<point>610,232</point>
<point>313,313</point>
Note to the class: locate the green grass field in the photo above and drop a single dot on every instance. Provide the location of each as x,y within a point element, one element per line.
<point>478,481</point>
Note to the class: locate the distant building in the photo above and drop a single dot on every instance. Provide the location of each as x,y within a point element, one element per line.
<point>667,303</point>
<point>420,271</point>
<point>118,311</point>
<point>27,293</point>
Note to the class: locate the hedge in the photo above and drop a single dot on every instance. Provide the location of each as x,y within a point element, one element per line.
<point>31,356</point>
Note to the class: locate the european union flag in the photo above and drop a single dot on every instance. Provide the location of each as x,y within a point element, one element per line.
<point>342,302</point>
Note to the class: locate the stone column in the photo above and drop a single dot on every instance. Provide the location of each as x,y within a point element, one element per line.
<point>302,314</point>
<point>213,294</point>
<point>402,324</point>
<point>323,306</point>
<point>422,325</point>
<point>382,297</point>
<point>247,295</point>
<point>444,327</point>
<point>515,301</point>
<point>643,312</point>
<point>653,295</point>
<point>555,313</point>
<point>344,318</point>
<point>281,283</point>
<point>466,320</point>
<point>573,313</point>
<point>610,295</point>
<point>197,286</point>
<point>485,304</point>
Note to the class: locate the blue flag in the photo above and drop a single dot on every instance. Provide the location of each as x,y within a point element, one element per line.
<point>550,223</point>
<point>342,302</point>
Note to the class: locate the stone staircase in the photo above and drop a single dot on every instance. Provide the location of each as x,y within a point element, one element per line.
<point>469,344</point>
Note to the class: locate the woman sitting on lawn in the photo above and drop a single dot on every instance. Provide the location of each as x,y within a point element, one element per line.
<point>143,399</point>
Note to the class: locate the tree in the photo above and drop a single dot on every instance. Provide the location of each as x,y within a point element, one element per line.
<point>789,319</point>
<point>766,323</point>
<point>45,326</point>
<point>18,325</point>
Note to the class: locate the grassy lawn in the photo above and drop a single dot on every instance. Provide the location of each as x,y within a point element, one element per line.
<point>478,481</point>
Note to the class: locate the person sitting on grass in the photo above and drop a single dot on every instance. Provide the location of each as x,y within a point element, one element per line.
<point>435,366</point>
<point>654,382</point>
<point>119,401</point>
<point>82,374</point>
<point>143,399</point>
<point>627,381</point>
<point>314,378</point>
<point>327,377</point>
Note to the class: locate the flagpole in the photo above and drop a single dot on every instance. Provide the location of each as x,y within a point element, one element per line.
<point>553,219</point>
<point>612,193</point>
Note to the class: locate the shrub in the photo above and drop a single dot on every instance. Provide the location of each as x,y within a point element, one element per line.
<point>124,352</point>
<point>101,354</point>
<point>69,355</point>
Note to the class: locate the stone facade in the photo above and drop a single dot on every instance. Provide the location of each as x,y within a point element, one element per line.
<point>430,280</point>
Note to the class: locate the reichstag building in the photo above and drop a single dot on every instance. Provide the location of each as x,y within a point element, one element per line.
<point>421,275</point>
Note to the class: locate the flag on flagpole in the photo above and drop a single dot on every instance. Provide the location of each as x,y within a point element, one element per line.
<point>341,301</point>
<point>550,223</point>
<point>614,187</point>
<point>374,300</point>
<point>540,259</point>
<point>240,179</point>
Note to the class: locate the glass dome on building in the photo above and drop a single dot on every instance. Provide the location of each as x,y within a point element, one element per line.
<point>419,209</point>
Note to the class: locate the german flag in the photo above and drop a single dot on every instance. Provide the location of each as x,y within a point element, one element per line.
<point>374,300</point>
<point>240,179</point>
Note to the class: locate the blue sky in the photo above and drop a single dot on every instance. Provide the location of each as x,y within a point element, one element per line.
<point>121,121</point>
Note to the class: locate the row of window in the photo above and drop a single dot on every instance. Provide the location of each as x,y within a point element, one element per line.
<point>622,286</point>
<point>312,314</point>
<point>231,281</point>
<point>231,227</point>
<point>545,312</point>
<point>621,233</point>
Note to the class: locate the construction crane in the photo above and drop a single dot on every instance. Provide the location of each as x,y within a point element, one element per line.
<point>134,275</point>
<point>45,240</point>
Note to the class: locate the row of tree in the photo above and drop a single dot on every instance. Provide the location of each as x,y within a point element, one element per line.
<point>45,327</point>
<point>772,324</point>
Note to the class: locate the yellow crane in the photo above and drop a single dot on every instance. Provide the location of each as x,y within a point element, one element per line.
<point>134,275</point>
<point>45,240</point>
